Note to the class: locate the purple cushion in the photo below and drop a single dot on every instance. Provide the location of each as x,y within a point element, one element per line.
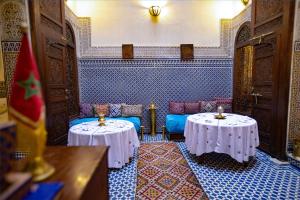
<point>86,110</point>
<point>208,106</point>
<point>225,102</point>
<point>191,107</point>
<point>176,107</point>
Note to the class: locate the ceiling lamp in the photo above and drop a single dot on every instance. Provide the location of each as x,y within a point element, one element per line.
<point>154,10</point>
<point>245,2</point>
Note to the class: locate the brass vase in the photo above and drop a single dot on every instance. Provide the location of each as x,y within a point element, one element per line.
<point>101,119</point>
<point>152,110</point>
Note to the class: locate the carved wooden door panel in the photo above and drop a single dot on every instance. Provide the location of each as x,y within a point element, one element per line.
<point>272,28</point>
<point>72,73</point>
<point>48,34</point>
<point>265,89</point>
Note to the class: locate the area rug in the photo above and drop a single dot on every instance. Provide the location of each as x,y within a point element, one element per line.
<point>163,173</point>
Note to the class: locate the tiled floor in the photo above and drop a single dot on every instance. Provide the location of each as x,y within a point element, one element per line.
<point>221,177</point>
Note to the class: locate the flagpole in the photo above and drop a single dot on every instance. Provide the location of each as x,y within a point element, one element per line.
<point>31,132</point>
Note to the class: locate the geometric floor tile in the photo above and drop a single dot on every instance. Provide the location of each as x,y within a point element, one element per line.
<point>224,178</point>
<point>219,175</point>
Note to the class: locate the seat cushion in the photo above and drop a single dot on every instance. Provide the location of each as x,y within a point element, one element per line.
<point>191,107</point>
<point>208,106</point>
<point>176,107</point>
<point>115,110</point>
<point>132,110</point>
<point>175,123</point>
<point>135,120</point>
<point>86,110</point>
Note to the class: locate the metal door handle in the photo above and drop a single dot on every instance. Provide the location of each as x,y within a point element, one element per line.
<point>256,95</point>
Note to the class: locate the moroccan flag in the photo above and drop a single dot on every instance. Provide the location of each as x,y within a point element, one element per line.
<point>26,105</point>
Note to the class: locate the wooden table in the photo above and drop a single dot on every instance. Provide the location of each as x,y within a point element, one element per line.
<point>82,170</point>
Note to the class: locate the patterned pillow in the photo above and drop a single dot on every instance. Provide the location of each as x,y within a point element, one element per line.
<point>132,110</point>
<point>226,103</point>
<point>115,110</point>
<point>86,110</point>
<point>191,107</point>
<point>208,106</point>
<point>176,107</point>
<point>101,108</point>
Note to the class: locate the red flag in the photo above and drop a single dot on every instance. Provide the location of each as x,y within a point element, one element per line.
<point>26,105</point>
<point>26,99</point>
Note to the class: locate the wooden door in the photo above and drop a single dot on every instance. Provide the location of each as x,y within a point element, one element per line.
<point>265,90</point>
<point>271,28</point>
<point>242,72</point>
<point>48,38</point>
<point>72,73</point>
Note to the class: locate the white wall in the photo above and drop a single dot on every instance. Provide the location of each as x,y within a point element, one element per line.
<point>114,22</point>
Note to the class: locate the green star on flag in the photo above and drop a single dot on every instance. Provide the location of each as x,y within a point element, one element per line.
<point>31,86</point>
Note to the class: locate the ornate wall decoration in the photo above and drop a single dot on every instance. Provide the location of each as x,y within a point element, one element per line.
<point>10,54</point>
<point>244,34</point>
<point>139,81</point>
<point>12,14</point>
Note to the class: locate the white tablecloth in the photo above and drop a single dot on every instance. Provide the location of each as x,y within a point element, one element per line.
<point>236,135</point>
<point>120,135</point>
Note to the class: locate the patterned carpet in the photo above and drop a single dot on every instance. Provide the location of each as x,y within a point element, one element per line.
<point>163,173</point>
<point>220,176</point>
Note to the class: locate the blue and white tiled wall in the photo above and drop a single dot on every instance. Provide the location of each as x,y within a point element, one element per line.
<point>139,81</point>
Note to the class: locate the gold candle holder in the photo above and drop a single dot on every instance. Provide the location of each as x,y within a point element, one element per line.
<point>101,119</point>
<point>220,113</point>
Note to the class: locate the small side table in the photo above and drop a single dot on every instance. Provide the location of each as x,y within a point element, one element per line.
<point>152,109</point>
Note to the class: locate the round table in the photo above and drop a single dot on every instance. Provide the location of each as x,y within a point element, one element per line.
<point>119,135</point>
<point>236,135</point>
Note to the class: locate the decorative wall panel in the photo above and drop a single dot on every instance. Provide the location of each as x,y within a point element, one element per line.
<point>12,14</point>
<point>294,102</point>
<point>10,54</point>
<point>141,80</point>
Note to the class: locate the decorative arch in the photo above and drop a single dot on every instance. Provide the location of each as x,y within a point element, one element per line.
<point>243,35</point>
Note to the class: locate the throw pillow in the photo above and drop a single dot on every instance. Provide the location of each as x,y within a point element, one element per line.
<point>132,110</point>
<point>101,108</point>
<point>225,102</point>
<point>208,106</point>
<point>115,110</point>
<point>191,107</point>
<point>86,110</point>
<point>176,107</point>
